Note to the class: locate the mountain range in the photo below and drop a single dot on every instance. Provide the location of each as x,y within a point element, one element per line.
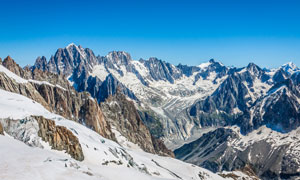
<point>235,122</point>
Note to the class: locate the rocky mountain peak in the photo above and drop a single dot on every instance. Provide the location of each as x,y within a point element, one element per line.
<point>212,61</point>
<point>280,76</point>
<point>71,45</point>
<point>119,57</point>
<point>153,59</point>
<point>253,68</point>
<point>74,49</point>
<point>11,65</point>
<point>72,57</point>
<point>8,58</point>
<point>210,65</point>
<point>41,63</point>
<point>8,61</point>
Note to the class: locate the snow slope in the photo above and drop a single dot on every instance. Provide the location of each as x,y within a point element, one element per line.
<point>104,159</point>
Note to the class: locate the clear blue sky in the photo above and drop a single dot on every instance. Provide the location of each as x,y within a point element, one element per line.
<point>235,32</point>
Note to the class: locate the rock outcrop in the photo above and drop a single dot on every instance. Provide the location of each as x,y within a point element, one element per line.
<point>160,148</point>
<point>122,114</point>
<point>59,137</point>
<point>41,63</point>
<point>1,129</point>
<point>11,65</point>
<point>72,57</point>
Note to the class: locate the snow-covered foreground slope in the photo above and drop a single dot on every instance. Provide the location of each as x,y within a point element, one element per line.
<point>104,159</point>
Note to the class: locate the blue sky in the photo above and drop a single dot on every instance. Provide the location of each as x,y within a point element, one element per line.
<point>234,32</point>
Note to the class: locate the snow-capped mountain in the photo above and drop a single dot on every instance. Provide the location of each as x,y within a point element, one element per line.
<point>270,154</point>
<point>38,141</point>
<point>279,109</point>
<point>161,89</point>
<point>290,68</point>
<point>152,105</point>
<point>184,98</point>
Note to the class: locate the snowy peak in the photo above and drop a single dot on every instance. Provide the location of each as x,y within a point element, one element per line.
<point>210,63</point>
<point>161,70</point>
<point>71,45</point>
<point>119,57</point>
<point>253,68</point>
<point>73,49</point>
<point>74,46</point>
<point>289,68</point>
<point>204,65</point>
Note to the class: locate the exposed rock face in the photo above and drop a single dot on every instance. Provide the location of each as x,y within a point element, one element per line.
<point>25,89</point>
<point>160,148</point>
<point>123,115</point>
<point>1,129</point>
<point>11,65</point>
<point>160,70</point>
<point>41,63</point>
<point>92,116</point>
<point>67,59</point>
<point>102,89</point>
<point>280,76</point>
<point>246,173</point>
<point>118,58</point>
<point>109,87</point>
<point>59,137</point>
<point>80,107</point>
<point>52,78</point>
